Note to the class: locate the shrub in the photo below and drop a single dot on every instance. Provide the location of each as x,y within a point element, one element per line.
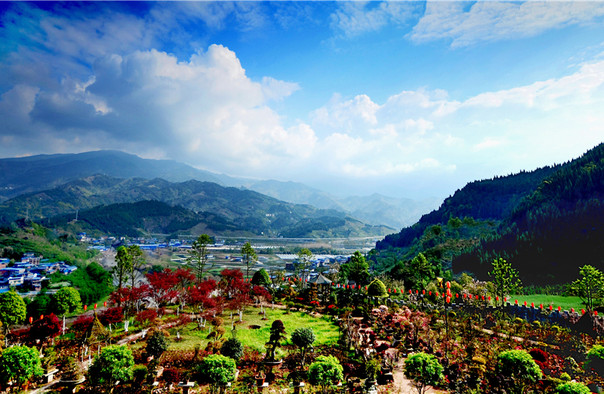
<point>377,289</point>
<point>217,370</point>
<point>171,375</point>
<point>139,373</point>
<point>594,360</point>
<point>572,388</point>
<point>325,371</point>
<point>424,369</point>
<point>156,344</point>
<point>146,317</point>
<point>19,364</point>
<point>303,338</point>
<point>113,364</point>
<point>261,278</point>
<point>232,348</point>
<point>112,315</point>
<point>520,367</point>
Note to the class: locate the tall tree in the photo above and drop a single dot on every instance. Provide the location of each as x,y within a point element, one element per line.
<point>590,287</point>
<point>356,269</point>
<point>123,266</point>
<point>304,258</point>
<point>249,256</point>
<point>137,257</point>
<point>198,255</point>
<point>505,279</point>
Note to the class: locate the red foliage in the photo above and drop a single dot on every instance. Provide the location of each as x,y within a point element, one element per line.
<point>146,316</point>
<point>234,288</point>
<point>260,292</point>
<point>48,327</point>
<point>81,325</point>
<point>163,286</point>
<point>112,315</point>
<point>185,277</point>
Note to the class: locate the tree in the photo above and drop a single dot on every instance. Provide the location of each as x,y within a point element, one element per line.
<point>277,334</point>
<point>137,258</point>
<point>19,364</point>
<point>424,369</point>
<point>304,258</point>
<point>66,300</point>
<point>505,279</point>
<point>519,366</point>
<point>198,255</point>
<point>123,266</point>
<point>113,364</point>
<point>156,344</point>
<point>356,269</point>
<point>249,256</point>
<point>590,288</point>
<point>217,370</point>
<point>422,271</point>
<point>12,309</point>
<point>303,338</point>
<point>261,278</point>
<point>232,348</point>
<point>325,372</point>
<point>377,289</point>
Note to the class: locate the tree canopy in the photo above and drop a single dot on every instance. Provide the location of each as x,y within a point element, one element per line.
<point>217,370</point>
<point>424,369</point>
<point>66,300</point>
<point>19,364</point>
<point>590,287</point>
<point>249,256</point>
<point>326,371</point>
<point>356,269</point>
<point>12,309</point>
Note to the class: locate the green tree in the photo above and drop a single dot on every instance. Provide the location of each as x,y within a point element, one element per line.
<point>590,287</point>
<point>12,309</point>
<point>519,366</point>
<point>249,256</point>
<point>356,269</point>
<point>198,255</point>
<point>424,369</point>
<point>217,370</point>
<point>377,289</point>
<point>66,300</point>
<point>572,388</point>
<point>303,338</point>
<point>505,279</point>
<point>113,364</point>
<point>19,364</point>
<point>123,266</point>
<point>325,372</point>
<point>232,348</point>
<point>261,278</point>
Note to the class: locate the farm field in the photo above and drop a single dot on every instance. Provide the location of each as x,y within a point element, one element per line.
<point>565,302</point>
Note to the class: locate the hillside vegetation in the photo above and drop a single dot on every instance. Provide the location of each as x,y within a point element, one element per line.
<point>547,222</point>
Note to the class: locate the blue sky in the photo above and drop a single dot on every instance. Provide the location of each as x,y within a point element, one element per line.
<point>407,99</point>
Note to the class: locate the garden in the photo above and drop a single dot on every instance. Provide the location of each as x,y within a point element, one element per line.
<point>180,332</point>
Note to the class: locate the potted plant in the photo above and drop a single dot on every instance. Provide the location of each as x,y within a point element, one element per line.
<point>260,376</point>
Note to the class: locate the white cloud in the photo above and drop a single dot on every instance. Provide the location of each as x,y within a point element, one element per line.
<point>357,17</point>
<point>493,21</point>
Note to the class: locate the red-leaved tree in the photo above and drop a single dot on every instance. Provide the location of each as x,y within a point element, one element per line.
<point>163,286</point>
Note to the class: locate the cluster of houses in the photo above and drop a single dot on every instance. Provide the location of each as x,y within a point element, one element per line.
<point>30,272</point>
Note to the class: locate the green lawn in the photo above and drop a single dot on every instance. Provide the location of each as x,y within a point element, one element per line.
<point>325,330</point>
<point>566,302</point>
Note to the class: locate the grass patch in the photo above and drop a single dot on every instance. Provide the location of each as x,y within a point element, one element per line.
<point>566,302</point>
<point>325,330</point>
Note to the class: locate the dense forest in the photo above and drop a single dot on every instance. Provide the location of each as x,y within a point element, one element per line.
<point>547,222</point>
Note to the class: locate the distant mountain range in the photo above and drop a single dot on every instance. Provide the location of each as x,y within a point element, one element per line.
<point>136,206</point>
<point>43,172</point>
<point>546,222</point>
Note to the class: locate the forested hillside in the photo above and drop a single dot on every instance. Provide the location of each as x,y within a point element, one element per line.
<point>546,222</point>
